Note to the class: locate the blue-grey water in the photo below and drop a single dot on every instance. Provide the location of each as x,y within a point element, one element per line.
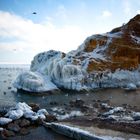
<point>9,95</point>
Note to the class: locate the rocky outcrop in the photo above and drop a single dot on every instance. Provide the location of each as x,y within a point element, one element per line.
<point>119,48</point>
<point>103,60</point>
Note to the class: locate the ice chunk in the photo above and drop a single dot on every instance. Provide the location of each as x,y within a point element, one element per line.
<point>114,110</point>
<point>42,60</point>
<point>23,106</point>
<point>71,114</point>
<point>4,121</point>
<point>14,114</point>
<point>1,129</point>
<point>33,82</point>
<point>42,111</point>
<point>131,86</point>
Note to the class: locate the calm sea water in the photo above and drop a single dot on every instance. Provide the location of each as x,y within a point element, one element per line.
<point>9,95</point>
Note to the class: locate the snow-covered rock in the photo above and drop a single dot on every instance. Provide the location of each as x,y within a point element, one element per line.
<point>131,86</point>
<point>1,129</point>
<point>33,82</point>
<point>114,110</point>
<point>42,60</point>
<point>102,61</point>
<point>72,132</point>
<point>71,114</point>
<point>22,109</point>
<point>14,114</point>
<point>4,121</point>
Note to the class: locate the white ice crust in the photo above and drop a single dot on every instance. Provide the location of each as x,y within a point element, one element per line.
<point>51,70</point>
<point>22,109</point>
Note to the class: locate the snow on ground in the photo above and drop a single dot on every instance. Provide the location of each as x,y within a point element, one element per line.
<point>22,109</point>
<point>4,121</point>
<point>71,114</point>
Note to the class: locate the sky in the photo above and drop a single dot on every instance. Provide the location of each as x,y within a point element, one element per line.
<point>60,25</point>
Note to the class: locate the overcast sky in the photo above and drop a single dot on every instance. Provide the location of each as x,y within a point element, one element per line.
<point>59,24</point>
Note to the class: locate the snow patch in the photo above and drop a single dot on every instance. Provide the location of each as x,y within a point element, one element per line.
<point>71,114</point>
<point>14,114</point>
<point>4,121</point>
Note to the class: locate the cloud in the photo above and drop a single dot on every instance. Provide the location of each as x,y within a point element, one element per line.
<point>106,13</point>
<point>138,11</point>
<point>24,35</point>
<point>61,12</point>
<point>127,7</point>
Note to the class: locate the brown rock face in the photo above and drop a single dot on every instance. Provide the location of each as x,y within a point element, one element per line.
<point>120,49</point>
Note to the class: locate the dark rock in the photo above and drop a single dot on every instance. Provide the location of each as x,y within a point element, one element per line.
<point>24,123</point>
<point>24,131</point>
<point>96,105</point>
<point>38,122</point>
<point>35,107</point>
<point>13,127</point>
<point>84,108</point>
<point>77,103</point>
<point>7,133</point>
<point>53,103</point>
<point>136,117</point>
<point>50,118</point>
<point>9,87</point>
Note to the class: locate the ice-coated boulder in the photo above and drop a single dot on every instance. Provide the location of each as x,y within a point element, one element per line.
<point>33,82</point>
<point>61,71</point>
<point>14,114</point>
<point>42,60</point>
<point>4,121</point>
<point>131,86</point>
<point>102,61</point>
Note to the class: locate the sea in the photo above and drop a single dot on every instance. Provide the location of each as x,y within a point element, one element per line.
<point>9,96</point>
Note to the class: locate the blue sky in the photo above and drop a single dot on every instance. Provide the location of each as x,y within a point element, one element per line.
<point>59,24</point>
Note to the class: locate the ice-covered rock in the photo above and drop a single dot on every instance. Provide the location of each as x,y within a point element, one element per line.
<point>102,61</point>
<point>42,60</point>
<point>114,110</point>
<point>42,113</point>
<point>138,84</point>
<point>33,82</point>
<point>131,86</point>
<point>60,70</point>
<point>71,114</point>
<point>4,121</point>
<point>136,116</point>
<point>22,109</point>
<point>72,132</point>
<point>14,114</point>
<point>1,129</point>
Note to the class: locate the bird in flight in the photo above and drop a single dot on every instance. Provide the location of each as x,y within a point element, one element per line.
<point>34,13</point>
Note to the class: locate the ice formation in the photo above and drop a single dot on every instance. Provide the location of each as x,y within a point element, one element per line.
<point>72,132</point>
<point>102,61</point>
<point>33,82</point>
<point>71,114</point>
<point>4,121</point>
<point>22,109</point>
<point>49,71</point>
